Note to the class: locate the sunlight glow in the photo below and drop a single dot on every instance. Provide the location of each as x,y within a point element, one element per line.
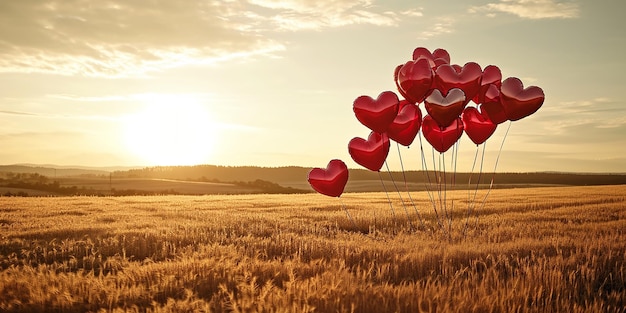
<point>170,130</point>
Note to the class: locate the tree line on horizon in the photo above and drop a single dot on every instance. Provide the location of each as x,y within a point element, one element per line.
<point>278,179</point>
<point>217,173</point>
<point>35,181</point>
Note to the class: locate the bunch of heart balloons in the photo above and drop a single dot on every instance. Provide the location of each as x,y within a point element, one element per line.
<point>446,91</point>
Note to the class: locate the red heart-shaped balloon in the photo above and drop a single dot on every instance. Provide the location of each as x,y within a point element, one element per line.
<point>406,125</point>
<point>370,153</point>
<point>441,54</point>
<point>439,62</point>
<point>519,102</point>
<point>491,76</point>
<point>445,109</point>
<point>377,114</point>
<point>330,181</point>
<point>396,73</point>
<point>467,79</point>
<point>477,125</point>
<point>415,79</point>
<point>492,106</point>
<point>438,57</point>
<point>441,138</point>
<point>423,53</point>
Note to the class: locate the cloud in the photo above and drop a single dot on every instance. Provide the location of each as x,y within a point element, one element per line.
<point>77,98</point>
<point>134,38</point>
<point>595,162</point>
<point>596,108</point>
<point>17,113</point>
<point>142,97</point>
<point>443,25</point>
<point>531,9</point>
<point>581,121</point>
<point>413,12</point>
<point>120,38</point>
<point>93,117</point>
<point>294,15</point>
<point>48,135</point>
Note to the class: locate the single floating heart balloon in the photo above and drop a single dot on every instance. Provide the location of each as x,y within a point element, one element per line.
<point>406,125</point>
<point>492,106</point>
<point>519,102</point>
<point>438,57</point>
<point>423,53</point>
<point>330,181</point>
<point>439,62</point>
<point>491,76</point>
<point>477,125</point>
<point>377,114</point>
<point>414,80</point>
<point>445,109</point>
<point>441,54</point>
<point>466,78</point>
<point>441,138</point>
<point>396,74</point>
<point>370,153</point>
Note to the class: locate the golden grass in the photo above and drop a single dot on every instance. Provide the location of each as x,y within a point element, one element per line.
<point>529,250</point>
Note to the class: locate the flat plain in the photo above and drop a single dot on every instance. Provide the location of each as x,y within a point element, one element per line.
<point>549,249</point>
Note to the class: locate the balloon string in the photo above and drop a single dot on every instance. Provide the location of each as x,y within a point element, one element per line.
<point>406,187</point>
<point>428,186</point>
<point>482,205</point>
<point>453,164</point>
<point>472,203</point>
<point>437,169</point>
<point>447,212</point>
<point>469,189</point>
<point>444,188</point>
<point>425,172</point>
<point>348,213</point>
<point>441,184</point>
<point>469,182</point>
<point>437,174</point>
<point>439,180</point>
<point>408,219</point>
<point>393,212</point>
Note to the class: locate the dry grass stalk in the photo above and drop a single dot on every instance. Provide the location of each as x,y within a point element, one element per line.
<point>531,250</point>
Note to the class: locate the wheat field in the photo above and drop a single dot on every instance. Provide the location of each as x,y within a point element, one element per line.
<point>553,249</point>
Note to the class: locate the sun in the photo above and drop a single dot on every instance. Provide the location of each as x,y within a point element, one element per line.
<point>170,131</point>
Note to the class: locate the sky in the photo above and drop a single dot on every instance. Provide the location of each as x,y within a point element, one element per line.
<point>272,83</point>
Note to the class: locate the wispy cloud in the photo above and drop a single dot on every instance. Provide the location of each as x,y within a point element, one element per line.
<point>588,107</point>
<point>531,9</point>
<point>442,25</point>
<point>41,134</point>
<point>93,117</point>
<point>137,97</point>
<point>120,38</point>
<point>17,113</point>
<point>70,97</point>
<point>580,121</point>
<point>294,15</point>
<point>133,38</point>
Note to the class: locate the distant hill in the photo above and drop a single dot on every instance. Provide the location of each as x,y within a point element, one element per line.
<point>221,173</point>
<point>293,176</point>
<point>51,170</point>
<point>288,178</point>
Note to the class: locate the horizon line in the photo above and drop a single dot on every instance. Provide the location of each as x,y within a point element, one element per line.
<point>130,167</point>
